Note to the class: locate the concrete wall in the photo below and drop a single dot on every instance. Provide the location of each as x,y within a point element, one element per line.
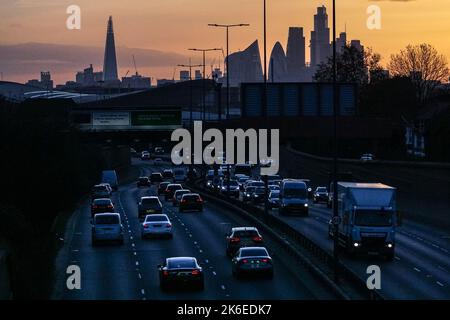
<point>116,157</point>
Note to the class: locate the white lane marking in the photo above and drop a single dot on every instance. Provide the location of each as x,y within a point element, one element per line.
<point>214,273</point>
<point>443,269</point>
<point>135,253</point>
<point>131,237</point>
<point>223,287</point>
<point>195,242</point>
<point>439,283</point>
<point>137,263</point>
<point>201,251</point>
<point>206,261</point>
<point>416,269</point>
<point>132,245</point>
<point>140,276</point>
<point>397,258</point>
<point>75,250</point>
<point>142,291</point>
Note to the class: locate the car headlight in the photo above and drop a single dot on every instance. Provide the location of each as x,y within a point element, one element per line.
<point>309,189</point>
<point>306,205</point>
<point>390,245</point>
<point>356,244</point>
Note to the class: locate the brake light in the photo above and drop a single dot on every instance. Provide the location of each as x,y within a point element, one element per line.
<point>165,273</point>
<point>257,239</point>
<point>168,225</point>
<point>94,206</point>
<point>199,200</point>
<point>145,226</point>
<point>195,272</point>
<point>110,206</point>
<point>264,260</point>
<point>183,200</point>
<point>244,261</point>
<point>235,239</point>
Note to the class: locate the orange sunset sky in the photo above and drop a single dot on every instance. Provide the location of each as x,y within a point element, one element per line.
<point>175,25</point>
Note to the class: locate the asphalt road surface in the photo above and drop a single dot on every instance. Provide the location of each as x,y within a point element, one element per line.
<point>129,272</point>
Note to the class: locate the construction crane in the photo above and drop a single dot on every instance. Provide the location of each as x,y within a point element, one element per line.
<point>135,68</point>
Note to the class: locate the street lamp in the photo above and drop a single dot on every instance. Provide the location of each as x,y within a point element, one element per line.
<point>190,66</point>
<point>228,26</point>
<point>335,153</point>
<point>204,72</point>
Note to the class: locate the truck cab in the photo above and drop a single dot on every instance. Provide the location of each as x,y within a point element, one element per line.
<point>367,218</point>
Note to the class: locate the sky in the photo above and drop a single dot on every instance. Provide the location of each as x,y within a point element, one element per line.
<point>172,26</point>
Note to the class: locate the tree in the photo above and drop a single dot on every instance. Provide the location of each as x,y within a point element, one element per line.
<point>424,65</point>
<point>353,65</point>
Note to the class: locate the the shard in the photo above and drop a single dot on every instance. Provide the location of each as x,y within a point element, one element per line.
<point>110,61</point>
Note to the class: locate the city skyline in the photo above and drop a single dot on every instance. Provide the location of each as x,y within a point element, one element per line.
<point>135,34</point>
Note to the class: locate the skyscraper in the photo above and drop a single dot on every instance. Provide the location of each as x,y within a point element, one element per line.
<point>320,38</point>
<point>278,66</point>
<point>246,66</point>
<point>341,42</point>
<point>110,61</point>
<point>295,53</point>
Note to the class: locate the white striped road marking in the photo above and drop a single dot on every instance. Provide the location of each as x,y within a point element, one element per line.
<point>439,283</point>
<point>416,269</point>
<point>201,251</point>
<point>75,250</point>
<point>140,276</point>
<point>214,273</point>
<point>131,237</point>
<point>206,261</point>
<point>223,287</point>
<point>143,291</point>
<point>397,258</point>
<point>135,253</point>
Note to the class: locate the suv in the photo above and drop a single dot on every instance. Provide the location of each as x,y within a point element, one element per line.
<point>107,227</point>
<point>149,205</point>
<point>242,237</point>
<point>229,187</point>
<point>321,194</point>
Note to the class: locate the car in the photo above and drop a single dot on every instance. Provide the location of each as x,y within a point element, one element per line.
<point>101,205</point>
<point>242,237</point>
<point>308,187</point>
<point>145,155</point>
<point>158,162</point>
<point>366,157</point>
<point>320,195</point>
<point>274,187</point>
<point>274,180</point>
<point>156,225</point>
<point>110,177</point>
<point>162,187</point>
<point>252,260</point>
<point>179,175</point>
<point>255,183</point>
<point>149,205</point>
<point>191,202</point>
<point>108,186</point>
<point>210,174</point>
<point>100,191</point>
<point>168,174</point>
<point>229,187</point>
<point>248,194</point>
<point>209,184</point>
<point>170,190</point>
<point>107,227</point>
<point>293,197</point>
<point>258,195</point>
<point>159,150</point>
<point>245,169</point>
<point>156,177</point>
<point>180,271</point>
<point>178,195</point>
<point>143,182</point>
<point>274,199</point>
<point>241,181</point>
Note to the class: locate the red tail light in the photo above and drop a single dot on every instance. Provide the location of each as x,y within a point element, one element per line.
<point>244,261</point>
<point>110,206</point>
<point>235,239</point>
<point>257,239</point>
<point>183,201</point>
<point>165,273</point>
<point>195,272</point>
<point>145,226</point>
<point>264,260</point>
<point>94,206</point>
<point>169,226</point>
<point>199,200</point>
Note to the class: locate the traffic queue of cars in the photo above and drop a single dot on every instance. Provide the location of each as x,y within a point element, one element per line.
<point>244,245</point>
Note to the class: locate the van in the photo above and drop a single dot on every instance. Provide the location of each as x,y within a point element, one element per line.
<point>110,176</point>
<point>293,197</point>
<point>179,175</point>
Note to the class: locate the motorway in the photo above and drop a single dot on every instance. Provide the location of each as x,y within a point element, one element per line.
<point>129,272</point>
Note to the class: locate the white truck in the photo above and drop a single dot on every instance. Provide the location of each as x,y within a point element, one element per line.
<point>367,218</point>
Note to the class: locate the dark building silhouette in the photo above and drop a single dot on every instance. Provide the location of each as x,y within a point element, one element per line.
<point>110,61</point>
<point>320,38</point>
<point>278,64</point>
<point>295,53</point>
<point>245,66</point>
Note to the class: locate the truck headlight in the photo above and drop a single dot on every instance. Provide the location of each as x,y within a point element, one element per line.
<point>390,245</point>
<point>306,205</point>
<point>356,244</point>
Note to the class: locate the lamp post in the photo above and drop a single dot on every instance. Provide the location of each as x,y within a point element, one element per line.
<point>204,72</point>
<point>335,154</point>
<point>190,66</point>
<point>228,26</point>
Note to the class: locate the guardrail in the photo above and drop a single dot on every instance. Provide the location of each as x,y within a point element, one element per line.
<point>293,240</point>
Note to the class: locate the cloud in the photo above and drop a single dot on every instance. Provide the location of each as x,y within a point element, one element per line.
<point>31,58</point>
